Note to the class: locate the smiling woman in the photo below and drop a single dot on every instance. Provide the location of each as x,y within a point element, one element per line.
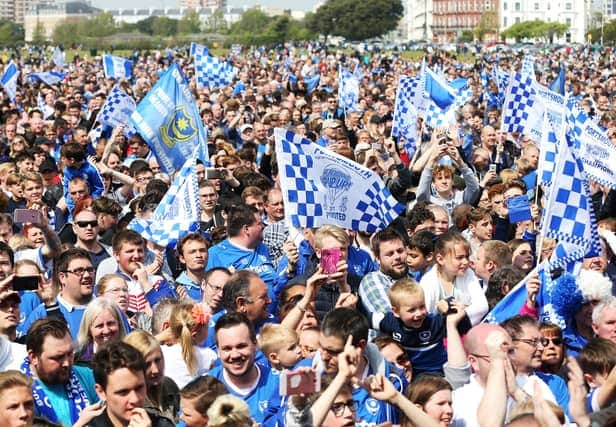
<point>101,323</point>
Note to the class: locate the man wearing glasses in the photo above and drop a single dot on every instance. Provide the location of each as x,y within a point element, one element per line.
<point>75,274</point>
<point>528,345</point>
<point>85,227</point>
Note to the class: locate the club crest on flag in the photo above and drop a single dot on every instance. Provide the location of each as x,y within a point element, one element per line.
<point>180,127</point>
<point>338,184</point>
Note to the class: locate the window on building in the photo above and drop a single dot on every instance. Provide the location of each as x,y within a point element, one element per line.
<point>567,6</point>
<point>505,21</point>
<point>504,5</point>
<point>517,6</point>
<point>536,6</point>
<point>568,21</point>
<point>517,20</point>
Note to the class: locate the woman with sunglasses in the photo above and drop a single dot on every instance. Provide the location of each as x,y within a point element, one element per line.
<point>554,356</point>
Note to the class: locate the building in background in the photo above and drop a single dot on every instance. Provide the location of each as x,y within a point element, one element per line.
<point>50,14</point>
<point>197,4</point>
<point>418,22</point>
<point>452,17</point>
<point>572,12</point>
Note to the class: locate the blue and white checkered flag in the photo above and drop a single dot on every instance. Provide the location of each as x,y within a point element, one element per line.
<point>569,215</point>
<point>48,77</point>
<point>117,67</point>
<point>348,89</point>
<point>177,214</point>
<point>212,72</point>
<point>321,187</point>
<point>591,145</point>
<point>58,58</point>
<point>117,109</point>
<point>528,67</point>
<point>168,120</point>
<point>547,154</point>
<point>9,80</point>
<point>405,115</point>
<point>522,110</point>
<point>198,51</point>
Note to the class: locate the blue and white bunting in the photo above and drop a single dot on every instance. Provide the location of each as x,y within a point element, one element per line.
<point>212,72</point>
<point>177,213</point>
<point>9,80</point>
<point>321,187</point>
<point>168,120</point>
<point>117,67</point>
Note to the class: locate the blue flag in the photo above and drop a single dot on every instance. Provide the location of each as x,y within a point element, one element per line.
<point>405,115</point>
<point>322,187</point>
<point>198,51</point>
<point>116,111</point>
<point>48,77</point>
<point>58,58</point>
<point>558,85</point>
<point>348,89</point>
<point>177,214</point>
<point>117,67</point>
<point>212,72</point>
<point>438,90</point>
<point>168,120</point>
<point>312,82</point>
<point>9,80</point>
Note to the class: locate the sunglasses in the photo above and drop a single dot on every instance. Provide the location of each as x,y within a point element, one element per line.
<point>84,224</point>
<point>555,341</point>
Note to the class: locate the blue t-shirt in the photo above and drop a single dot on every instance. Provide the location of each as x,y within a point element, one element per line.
<point>58,399</point>
<point>72,316</point>
<point>263,400</point>
<point>226,254</point>
<point>192,288</point>
<point>423,345</point>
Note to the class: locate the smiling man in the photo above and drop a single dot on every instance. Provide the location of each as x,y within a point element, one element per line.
<point>75,274</point>
<point>119,372</point>
<point>254,383</point>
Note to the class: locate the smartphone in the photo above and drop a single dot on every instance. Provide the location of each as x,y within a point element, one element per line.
<point>25,283</point>
<point>376,146</point>
<point>304,382</point>
<point>211,173</point>
<point>329,260</point>
<point>22,216</point>
<point>492,167</point>
<point>450,309</point>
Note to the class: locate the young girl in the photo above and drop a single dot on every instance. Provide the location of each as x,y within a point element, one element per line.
<point>452,277</point>
<point>184,360</point>
<point>433,395</point>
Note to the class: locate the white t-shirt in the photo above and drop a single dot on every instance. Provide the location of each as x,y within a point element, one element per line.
<point>176,368</point>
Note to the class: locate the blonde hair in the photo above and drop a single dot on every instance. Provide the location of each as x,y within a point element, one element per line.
<point>508,175</point>
<point>333,231</point>
<point>402,290</point>
<point>273,337</point>
<point>143,341</point>
<point>93,310</point>
<point>181,324</point>
<point>229,411</point>
<point>527,407</point>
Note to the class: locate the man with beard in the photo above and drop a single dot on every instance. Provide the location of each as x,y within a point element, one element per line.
<point>75,274</point>
<point>61,391</point>
<point>388,247</point>
<point>254,383</point>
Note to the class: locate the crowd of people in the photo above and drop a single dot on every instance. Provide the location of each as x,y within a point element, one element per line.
<point>101,327</point>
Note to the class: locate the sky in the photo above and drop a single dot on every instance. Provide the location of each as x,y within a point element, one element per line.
<point>115,4</point>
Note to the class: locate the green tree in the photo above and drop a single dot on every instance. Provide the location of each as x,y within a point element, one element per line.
<point>190,23</point>
<point>164,27</point>
<point>66,32</point>
<point>253,21</point>
<point>100,25</point>
<point>38,35</point>
<point>466,36</point>
<point>536,29</point>
<point>487,25</point>
<point>552,29</point>
<point>11,34</point>
<point>356,19</point>
<point>216,22</point>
